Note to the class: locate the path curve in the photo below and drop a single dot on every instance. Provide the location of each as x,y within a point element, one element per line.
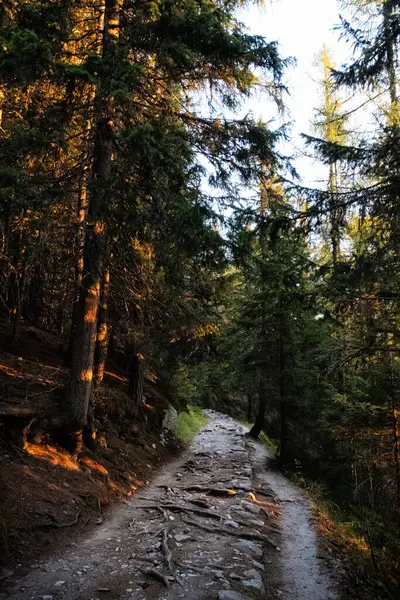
<point>187,536</point>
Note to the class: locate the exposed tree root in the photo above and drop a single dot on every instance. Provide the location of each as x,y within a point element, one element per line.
<point>246,535</point>
<point>166,550</point>
<point>210,491</point>
<point>156,574</point>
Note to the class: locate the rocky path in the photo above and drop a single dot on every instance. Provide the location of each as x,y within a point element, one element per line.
<point>214,525</point>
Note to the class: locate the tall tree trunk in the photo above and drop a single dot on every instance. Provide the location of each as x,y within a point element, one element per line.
<point>103,334</point>
<point>390,52</point>
<point>81,378</point>
<point>282,400</point>
<point>81,214</point>
<point>262,400</point>
<point>334,213</point>
<point>396,444</point>
<point>262,403</point>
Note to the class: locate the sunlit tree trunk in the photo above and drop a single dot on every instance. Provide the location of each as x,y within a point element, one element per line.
<point>103,333</point>
<point>81,214</point>
<point>81,378</point>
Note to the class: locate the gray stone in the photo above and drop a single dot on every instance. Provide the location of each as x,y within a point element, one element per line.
<point>231,523</point>
<point>170,421</point>
<point>230,595</point>
<point>251,507</point>
<point>256,584</point>
<point>252,574</point>
<point>180,537</point>
<point>249,548</point>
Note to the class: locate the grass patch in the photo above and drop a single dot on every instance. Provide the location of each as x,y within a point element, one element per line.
<point>189,422</point>
<point>270,445</point>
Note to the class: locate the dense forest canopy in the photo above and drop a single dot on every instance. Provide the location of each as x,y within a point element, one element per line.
<point>180,243</point>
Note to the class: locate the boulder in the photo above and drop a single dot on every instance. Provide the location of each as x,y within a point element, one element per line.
<point>170,420</point>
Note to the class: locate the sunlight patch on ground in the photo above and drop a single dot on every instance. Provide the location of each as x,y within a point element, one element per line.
<point>53,456</point>
<point>94,466</point>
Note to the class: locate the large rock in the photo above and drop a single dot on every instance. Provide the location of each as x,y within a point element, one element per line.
<point>170,421</point>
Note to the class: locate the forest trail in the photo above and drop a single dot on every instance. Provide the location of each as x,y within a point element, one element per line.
<point>182,538</point>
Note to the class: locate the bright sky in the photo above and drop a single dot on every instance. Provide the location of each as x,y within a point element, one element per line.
<point>301,27</point>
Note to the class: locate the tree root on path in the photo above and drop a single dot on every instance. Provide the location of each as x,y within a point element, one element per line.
<point>192,510</point>
<point>210,491</point>
<point>246,535</point>
<point>156,574</point>
<point>167,552</point>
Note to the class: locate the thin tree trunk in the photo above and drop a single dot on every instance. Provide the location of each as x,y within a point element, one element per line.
<point>249,408</point>
<point>282,395</point>
<point>17,310</point>
<point>136,381</point>
<point>396,448</point>
<point>103,334</point>
<point>334,213</point>
<point>80,386</point>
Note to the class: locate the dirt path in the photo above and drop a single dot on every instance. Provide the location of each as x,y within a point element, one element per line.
<point>175,540</point>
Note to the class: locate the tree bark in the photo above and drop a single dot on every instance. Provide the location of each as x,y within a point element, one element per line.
<point>390,53</point>
<point>81,214</point>
<point>103,334</point>
<point>81,379</point>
